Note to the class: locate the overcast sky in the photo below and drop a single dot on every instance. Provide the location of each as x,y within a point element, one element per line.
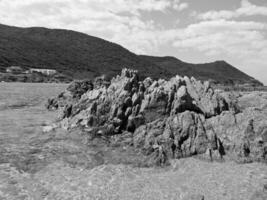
<point>192,30</point>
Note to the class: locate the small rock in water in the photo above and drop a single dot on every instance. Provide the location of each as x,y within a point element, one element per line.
<point>49,128</point>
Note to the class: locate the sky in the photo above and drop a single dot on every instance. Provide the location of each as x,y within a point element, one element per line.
<point>195,31</point>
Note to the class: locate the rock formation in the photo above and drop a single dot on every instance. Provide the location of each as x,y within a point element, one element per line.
<point>164,119</point>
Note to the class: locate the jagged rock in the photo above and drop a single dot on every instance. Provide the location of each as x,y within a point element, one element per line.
<point>71,95</point>
<point>122,140</point>
<point>178,136</point>
<point>134,122</point>
<point>167,119</point>
<point>52,104</point>
<point>78,88</point>
<point>101,81</point>
<point>67,111</point>
<point>242,133</point>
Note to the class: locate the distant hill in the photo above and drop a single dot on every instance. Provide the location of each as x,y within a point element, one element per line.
<point>218,71</point>
<point>82,56</point>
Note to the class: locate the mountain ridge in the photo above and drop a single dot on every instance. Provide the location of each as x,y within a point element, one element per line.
<point>203,71</point>
<point>82,56</point>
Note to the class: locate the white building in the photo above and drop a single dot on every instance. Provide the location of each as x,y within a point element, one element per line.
<point>47,72</point>
<point>14,69</point>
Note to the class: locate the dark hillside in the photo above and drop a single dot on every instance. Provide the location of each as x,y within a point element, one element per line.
<point>81,56</point>
<point>72,53</point>
<point>219,71</point>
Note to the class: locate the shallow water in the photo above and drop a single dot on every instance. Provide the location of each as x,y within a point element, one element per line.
<point>22,117</point>
<point>22,107</point>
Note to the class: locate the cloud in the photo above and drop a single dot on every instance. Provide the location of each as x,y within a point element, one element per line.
<point>240,39</point>
<point>232,38</point>
<point>246,9</point>
<point>115,20</point>
<point>31,11</point>
<point>180,6</point>
<point>243,43</point>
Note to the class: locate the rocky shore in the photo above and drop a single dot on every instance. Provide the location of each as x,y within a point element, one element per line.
<point>40,160</point>
<point>163,119</point>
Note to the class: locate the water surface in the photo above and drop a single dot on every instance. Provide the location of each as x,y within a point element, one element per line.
<point>22,109</point>
<point>61,165</point>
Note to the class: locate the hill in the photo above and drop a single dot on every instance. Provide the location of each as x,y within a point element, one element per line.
<point>69,52</point>
<point>218,71</point>
<point>82,56</point>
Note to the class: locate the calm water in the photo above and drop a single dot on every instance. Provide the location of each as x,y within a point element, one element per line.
<point>22,108</point>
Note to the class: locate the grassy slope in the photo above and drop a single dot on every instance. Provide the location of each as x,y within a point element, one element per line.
<point>82,56</point>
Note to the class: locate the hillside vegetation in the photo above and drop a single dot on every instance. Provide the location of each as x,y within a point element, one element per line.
<point>83,57</point>
<point>218,71</point>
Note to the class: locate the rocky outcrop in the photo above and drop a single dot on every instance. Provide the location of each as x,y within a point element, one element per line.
<point>244,133</point>
<point>164,119</point>
<point>71,95</point>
